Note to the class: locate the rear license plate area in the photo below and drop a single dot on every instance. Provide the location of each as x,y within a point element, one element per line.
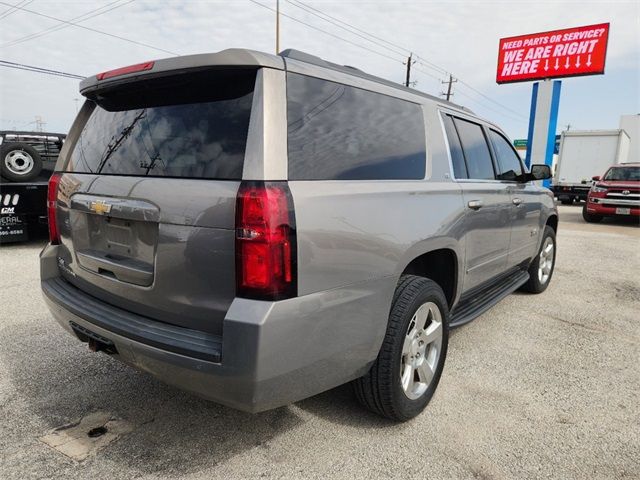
<point>116,248</point>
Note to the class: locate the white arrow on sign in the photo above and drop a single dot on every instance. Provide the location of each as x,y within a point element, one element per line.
<point>566,64</point>
<point>557,65</point>
<point>589,60</point>
<point>546,65</point>
<point>578,62</point>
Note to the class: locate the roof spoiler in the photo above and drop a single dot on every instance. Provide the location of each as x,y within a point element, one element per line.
<point>233,57</point>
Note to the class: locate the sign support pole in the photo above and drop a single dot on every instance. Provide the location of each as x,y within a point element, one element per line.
<point>543,120</point>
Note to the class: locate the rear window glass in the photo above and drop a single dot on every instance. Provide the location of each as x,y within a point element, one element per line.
<point>337,132</point>
<point>191,125</point>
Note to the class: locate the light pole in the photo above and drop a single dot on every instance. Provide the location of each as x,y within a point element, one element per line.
<point>277,27</point>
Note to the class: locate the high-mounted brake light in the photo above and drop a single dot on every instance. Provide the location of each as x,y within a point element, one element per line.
<point>138,67</point>
<point>265,241</point>
<point>52,204</point>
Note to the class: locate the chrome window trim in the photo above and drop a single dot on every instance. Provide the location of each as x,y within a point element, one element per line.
<point>483,124</point>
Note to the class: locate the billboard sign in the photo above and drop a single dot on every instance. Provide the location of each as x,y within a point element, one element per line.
<point>560,53</point>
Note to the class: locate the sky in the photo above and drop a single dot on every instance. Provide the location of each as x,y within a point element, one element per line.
<point>460,37</point>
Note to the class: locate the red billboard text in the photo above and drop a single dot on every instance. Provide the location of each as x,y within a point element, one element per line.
<point>560,53</point>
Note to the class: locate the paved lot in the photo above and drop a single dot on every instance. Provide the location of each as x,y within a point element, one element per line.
<point>540,386</point>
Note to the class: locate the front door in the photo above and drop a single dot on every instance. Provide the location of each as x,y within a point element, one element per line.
<point>487,220</point>
<point>526,207</point>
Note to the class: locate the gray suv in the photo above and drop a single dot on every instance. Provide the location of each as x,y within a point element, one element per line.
<point>258,229</point>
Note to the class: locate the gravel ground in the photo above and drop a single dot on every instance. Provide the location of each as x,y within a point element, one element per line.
<point>539,386</point>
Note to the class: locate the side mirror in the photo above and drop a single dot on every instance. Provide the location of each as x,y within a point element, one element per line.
<point>595,178</point>
<point>539,172</point>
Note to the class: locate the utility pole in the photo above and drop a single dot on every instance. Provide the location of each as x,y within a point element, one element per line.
<point>409,62</point>
<point>450,82</point>
<point>39,123</point>
<point>277,27</point>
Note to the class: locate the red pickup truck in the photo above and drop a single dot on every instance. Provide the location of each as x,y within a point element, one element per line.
<point>616,193</point>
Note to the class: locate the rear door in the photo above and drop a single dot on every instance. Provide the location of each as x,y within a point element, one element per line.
<point>147,199</point>
<point>487,223</point>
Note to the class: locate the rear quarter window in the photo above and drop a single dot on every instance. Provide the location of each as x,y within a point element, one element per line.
<point>338,132</point>
<point>476,150</point>
<point>192,125</point>
<point>457,157</point>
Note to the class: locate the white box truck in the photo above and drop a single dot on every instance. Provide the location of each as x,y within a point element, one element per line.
<point>583,155</point>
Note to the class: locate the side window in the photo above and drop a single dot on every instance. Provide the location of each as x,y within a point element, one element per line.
<point>338,132</point>
<point>476,150</point>
<point>457,157</point>
<point>509,165</point>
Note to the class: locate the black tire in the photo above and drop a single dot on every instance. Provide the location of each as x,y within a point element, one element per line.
<point>590,217</point>
<point>380,390</point>
<point>11,173</point>
<point>567,201</point>
<point>535,284</point>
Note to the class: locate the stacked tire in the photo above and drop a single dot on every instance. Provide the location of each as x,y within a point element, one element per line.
<point>19,162</point>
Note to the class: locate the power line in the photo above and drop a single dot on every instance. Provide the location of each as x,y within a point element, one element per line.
<point>489,98</point>
<point>404,51</point>
<point>519,118</point>
<point>339,23</point>
<point>426,73</point>
<point>32,68</point>
<point>325,32</point>
<point>13,9</point>
<point>91,29</point>
<point>321,15</point>
<point>80,18</point>
<point>421,60</point>
<point>426,63</point>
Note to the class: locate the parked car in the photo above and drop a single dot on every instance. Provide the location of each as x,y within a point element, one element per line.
<point>582,154</point>
<point>615,194</point>
<point>258,229</point>
<point>27,160</point>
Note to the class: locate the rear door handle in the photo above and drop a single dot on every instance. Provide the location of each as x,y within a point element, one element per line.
<point>517,201</point>
<point>475,204</point>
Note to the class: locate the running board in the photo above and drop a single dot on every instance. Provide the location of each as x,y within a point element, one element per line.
<point>470,308</point>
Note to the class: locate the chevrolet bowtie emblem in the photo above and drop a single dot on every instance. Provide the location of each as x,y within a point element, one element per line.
<point>100,207</point>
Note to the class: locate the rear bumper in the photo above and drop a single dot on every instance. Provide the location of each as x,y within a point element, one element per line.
<point>568,192</point>
<point>270,353</point>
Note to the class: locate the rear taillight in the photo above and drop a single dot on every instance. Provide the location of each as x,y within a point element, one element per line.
<point>52,204</point>
<point>265,241</point>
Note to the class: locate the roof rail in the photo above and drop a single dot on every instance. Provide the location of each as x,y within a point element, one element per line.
<point>314,60</point>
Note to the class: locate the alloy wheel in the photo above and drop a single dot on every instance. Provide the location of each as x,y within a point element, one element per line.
<point>421,350</point>
<point>545,263</point>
